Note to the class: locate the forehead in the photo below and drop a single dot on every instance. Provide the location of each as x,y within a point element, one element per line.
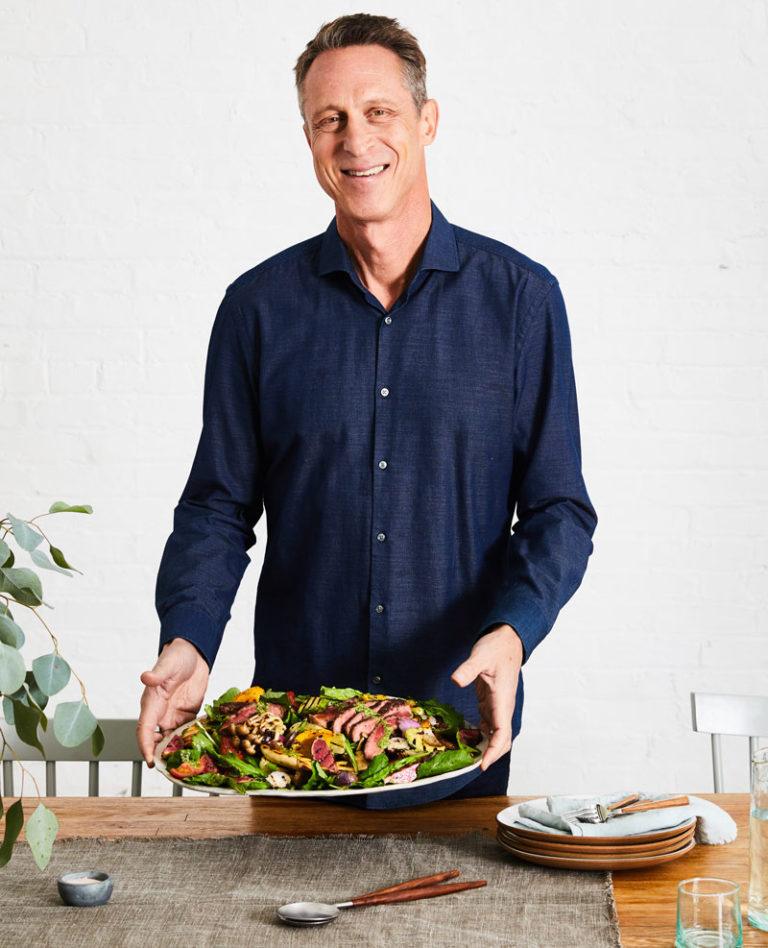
<point>354,74</point>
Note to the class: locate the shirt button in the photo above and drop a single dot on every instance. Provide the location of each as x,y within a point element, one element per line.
<point>381,537</point>
<point>388,320</point>
<point>383,465</point>
<point>384,392</point>
<point>379,608</point>
<point>376,679</point>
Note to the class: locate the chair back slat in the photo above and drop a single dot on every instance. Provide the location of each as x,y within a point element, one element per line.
<point>93,778</point>
<point>136,778</point>
<point>739,715</point>
<point>119,745</point>
<point>7,778</point>
<point>50,778</point>
<point>742,715</point>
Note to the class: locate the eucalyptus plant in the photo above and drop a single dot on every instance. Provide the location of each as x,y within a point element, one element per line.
<point>25,692</point>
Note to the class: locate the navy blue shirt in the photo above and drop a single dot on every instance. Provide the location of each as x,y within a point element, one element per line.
<point>389,450</point>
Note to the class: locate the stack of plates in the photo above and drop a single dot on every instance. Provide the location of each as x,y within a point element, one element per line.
<point>593,852</point>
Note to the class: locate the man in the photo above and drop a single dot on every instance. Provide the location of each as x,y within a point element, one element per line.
<point>389,392</point>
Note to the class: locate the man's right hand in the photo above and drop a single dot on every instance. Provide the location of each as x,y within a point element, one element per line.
<point>174,691</point>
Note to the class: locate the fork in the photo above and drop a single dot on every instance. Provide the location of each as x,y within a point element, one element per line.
<point>589,814</point>
<point>599,813</point>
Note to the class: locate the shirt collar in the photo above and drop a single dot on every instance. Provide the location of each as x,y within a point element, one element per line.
<point>440,251</point>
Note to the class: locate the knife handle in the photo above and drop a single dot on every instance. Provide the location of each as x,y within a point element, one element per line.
<point>419,883</point>
<point>655,804</point>
<point>411,895</point>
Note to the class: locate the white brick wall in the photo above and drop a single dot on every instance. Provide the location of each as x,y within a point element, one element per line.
<point>150,154</point>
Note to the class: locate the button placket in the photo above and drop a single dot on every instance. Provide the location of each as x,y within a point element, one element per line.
<point>383,421</point>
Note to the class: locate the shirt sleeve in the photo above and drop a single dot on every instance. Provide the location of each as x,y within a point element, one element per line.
<point>206,554</point>
<point>547,551</point>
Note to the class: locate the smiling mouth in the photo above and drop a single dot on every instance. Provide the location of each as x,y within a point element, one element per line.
<point>366,172</point>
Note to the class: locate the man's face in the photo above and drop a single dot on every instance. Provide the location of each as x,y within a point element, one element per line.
<point>360,115</point>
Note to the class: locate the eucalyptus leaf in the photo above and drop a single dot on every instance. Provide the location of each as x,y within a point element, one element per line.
<point>41,559</point>
<point>26,719</point>
<point>51,673</point>
<point>40,832</point>
<point>38,697</point>
<point>12,669</point>
<point>22,584</point>
<point>10,633</point>
<point>59,559</point>
<point>5,552</point>
<point>60,507</point>
<point>8,709</point>
<point>73,723</point>
<point>97,741</point>
<point>14,820</point>
<point>27,537</point>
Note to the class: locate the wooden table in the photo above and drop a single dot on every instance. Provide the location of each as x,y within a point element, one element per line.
<point>646,899</point>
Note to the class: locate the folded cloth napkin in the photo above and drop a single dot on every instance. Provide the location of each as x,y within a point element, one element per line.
<point>713,825</point>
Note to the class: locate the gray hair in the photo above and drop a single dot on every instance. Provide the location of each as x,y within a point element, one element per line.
<point>364,29</point>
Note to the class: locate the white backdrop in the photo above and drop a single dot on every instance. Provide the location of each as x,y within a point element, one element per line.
<point>152,153</point>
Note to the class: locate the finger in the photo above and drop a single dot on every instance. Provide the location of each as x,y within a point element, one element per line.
<point>153,707</point>
<point>499,744</point>
<point>466,672</point>
<point>162,676</point>
<point>147,738</point>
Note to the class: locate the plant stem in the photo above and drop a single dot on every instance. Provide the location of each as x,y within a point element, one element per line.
<point>56,650</point>
<point>18,761</point>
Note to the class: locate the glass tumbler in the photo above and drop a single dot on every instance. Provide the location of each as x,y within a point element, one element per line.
<point>708,914</point>
<point>757,911</point>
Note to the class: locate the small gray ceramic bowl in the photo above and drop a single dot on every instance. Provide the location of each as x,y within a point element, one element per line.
<point>84,894</point>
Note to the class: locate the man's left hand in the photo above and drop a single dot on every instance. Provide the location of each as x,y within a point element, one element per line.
<point>494,666</point>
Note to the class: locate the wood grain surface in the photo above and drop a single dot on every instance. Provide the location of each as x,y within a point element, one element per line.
<point>646,899</point>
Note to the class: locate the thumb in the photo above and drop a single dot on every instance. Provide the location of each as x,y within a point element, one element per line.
<point>161,676</point>
<point>466,672</point>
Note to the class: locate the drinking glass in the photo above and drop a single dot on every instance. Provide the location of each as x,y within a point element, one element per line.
<point>757,911</point>
<point>708,914</point>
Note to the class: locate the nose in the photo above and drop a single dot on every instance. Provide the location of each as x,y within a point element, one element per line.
<point>356,139</point>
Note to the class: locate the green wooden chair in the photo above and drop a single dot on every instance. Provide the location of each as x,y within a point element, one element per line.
<point>119,745</point>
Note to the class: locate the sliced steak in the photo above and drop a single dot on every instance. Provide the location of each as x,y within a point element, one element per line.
<point>372,747</point>
<point>242,715</point>
<point>355,719</point>
<point>363,729</point>
<point>341,719</point>
<point>394,707</point>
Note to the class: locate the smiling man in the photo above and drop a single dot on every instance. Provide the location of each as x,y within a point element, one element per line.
<point>391,393</point>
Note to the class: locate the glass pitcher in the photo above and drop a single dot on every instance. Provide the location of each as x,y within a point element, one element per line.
<point>757,912</point>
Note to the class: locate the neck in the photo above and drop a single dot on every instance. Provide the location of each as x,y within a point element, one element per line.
<point>386,253</point>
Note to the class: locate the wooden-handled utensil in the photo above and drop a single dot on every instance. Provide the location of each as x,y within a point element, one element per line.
<point>423,887</point>
<point>652,805</point>
<point>411,895</point>
<point>418,883</point>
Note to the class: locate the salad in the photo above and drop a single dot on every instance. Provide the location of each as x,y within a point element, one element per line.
<point>342,738</point>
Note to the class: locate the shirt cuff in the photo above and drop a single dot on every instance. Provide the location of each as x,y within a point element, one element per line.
<point>193,624</point>
<point>525,617</point>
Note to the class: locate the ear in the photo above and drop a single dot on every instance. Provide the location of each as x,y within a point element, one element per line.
<point>430,115</point>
